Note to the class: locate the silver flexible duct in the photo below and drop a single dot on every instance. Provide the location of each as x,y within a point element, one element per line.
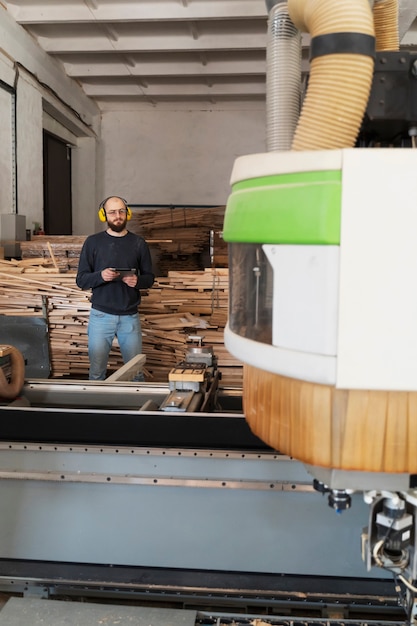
<point>283,77</point>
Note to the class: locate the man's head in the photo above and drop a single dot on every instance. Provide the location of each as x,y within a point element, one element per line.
<point>116,213</point>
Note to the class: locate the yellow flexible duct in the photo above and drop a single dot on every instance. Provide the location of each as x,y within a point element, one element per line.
<point>386,25</point>
<point>10,390</point>
<point>339,84</point>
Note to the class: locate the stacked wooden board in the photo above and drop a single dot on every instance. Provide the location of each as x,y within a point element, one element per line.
<point>183,305</point>
<point>65,249</point>
<point>184,236</point>
<point>177,306</point>
<point>180,238</point>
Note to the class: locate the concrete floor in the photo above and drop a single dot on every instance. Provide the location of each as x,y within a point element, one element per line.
<point>19,611</point>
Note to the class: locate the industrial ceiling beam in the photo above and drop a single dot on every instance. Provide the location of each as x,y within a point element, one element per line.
<point>129,44</point>
<point>175,68</point>
<point>145,11</point>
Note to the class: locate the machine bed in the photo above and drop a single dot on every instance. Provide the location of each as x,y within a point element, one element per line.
<point>110,493</point>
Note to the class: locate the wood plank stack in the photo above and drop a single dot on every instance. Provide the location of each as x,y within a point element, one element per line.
<point>184,235</point>
<point>184,239</point>
<point>146,221</point>
<point>36,292</point>
<point>65,248</point>
<point>182,304</point>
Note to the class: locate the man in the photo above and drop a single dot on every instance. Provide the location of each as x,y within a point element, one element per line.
<point>115,293</point>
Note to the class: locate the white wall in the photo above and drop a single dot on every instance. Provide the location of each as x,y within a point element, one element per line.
<point>84,186</point>
<point>167,155</point>
<point>29,153</point>
<point>6,143</point>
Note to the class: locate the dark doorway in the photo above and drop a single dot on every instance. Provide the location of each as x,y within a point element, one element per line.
<point>57,186</point>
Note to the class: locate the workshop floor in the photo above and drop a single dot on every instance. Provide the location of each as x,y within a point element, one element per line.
<point>18,611</point>
<point>3,599</point>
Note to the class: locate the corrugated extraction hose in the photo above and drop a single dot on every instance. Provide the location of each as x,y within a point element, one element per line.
<point>10,390</point>
<point>340,82</point>
<point>386,25</point>
<point>283,78</point>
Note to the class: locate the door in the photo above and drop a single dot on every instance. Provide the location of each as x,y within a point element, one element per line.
<point>57,186</point>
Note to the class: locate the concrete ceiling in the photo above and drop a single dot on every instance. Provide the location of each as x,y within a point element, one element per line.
<point>162,50</point>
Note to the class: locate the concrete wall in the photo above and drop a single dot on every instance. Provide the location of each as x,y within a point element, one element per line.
<point>6,137</point>
<point>161,155</point>
<point>29,151</point>
<point>84,187</point>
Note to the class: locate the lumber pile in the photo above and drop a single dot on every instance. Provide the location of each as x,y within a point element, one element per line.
<point>147,221</point>
<point>65,248</point>
<point>184,304</point>
<point>36,265</point>
<point>177,306</point>
<point>184,239</point>
<point>183,236</point>
<point>53,294</point>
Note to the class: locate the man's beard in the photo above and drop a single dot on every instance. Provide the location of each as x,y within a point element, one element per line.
<point>117,228</point>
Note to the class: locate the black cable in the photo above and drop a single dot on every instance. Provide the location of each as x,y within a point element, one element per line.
<point>18,65</point>
<point>406,599</point>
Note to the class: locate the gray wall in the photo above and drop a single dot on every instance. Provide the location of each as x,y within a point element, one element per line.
<point>176,156</point>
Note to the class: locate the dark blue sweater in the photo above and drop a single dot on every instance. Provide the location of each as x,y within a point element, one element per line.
<point>101,251</point>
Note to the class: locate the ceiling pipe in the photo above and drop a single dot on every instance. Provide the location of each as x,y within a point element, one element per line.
<point>283,77</point>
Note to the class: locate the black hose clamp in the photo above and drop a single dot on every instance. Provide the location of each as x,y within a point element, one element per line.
<point>342,43</point>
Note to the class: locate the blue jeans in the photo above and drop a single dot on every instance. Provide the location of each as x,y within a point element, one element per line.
<point>102,328</point>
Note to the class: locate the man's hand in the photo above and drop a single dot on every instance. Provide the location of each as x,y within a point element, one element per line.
<point>109,274</point>
<point>130,280</point>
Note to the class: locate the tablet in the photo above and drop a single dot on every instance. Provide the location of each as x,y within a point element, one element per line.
<point>125,271</point>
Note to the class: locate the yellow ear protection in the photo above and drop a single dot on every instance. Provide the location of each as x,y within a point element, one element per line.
<point>102,211</point>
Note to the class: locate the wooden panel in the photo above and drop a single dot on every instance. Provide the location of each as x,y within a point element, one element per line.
<point>346,429</point>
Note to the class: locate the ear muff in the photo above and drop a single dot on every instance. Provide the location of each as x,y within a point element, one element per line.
<point>102,211</point>
<point>102,214</point>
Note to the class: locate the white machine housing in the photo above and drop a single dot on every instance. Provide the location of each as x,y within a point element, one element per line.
<point>345,315</point>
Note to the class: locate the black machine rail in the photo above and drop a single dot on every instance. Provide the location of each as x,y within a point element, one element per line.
<point>127,428</point>
<point>302,599</point>
<point>207,619</point>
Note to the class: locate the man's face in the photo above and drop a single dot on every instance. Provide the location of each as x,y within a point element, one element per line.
<point>116,215</point>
